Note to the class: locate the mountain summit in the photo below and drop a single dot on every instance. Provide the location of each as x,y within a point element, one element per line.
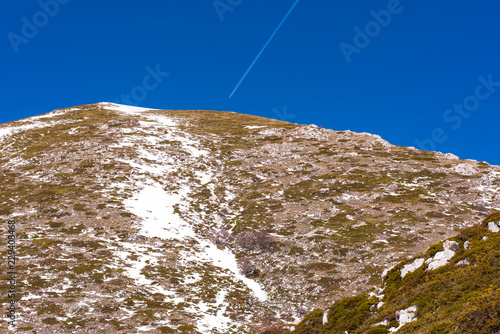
<point>135,220</point>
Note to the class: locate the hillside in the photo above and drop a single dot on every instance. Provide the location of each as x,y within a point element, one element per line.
<point>173,221</point>
<point>460,294</point>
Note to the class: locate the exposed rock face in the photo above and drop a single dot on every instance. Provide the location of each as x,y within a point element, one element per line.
<point>138,219</point>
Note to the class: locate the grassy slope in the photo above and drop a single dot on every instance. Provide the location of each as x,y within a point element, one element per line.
<point>451,299</point>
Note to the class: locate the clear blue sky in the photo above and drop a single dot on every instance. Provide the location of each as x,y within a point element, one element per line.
<point>401,80</point>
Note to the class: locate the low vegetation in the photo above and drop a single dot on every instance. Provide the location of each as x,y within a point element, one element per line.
<point>462,296</point>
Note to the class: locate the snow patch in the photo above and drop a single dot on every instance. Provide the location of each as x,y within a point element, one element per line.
<point>384,322</point>
<point>442,258</point>
<point>156,208</point>
<point>409,268</point>
<point>255,126</point>
<point>325,317</point>
<point>493,227</point>
<point>130,110</point>
<point>9,131</point>
<point>225,259</point>
<point>404,317</point>
<point>448,156</point>
<point>52,114</point>
<point>378,241</point>
<point>465,169</point>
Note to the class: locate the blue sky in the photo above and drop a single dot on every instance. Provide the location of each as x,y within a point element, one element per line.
<point>419,73</point>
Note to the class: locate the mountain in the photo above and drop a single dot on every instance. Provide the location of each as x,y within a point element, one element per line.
<point>134,220</point>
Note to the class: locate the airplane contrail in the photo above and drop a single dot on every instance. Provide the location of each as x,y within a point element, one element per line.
<point>261,51</point>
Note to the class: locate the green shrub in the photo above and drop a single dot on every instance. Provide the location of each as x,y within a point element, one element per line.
<point>441,328</point>
<point>377,331</point>
<point>349,314</point>
<point>50,321</point>
<point>493,217</point>
<point>311,324</point>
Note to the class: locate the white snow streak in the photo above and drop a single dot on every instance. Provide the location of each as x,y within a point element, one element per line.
<point>156,208</point>
<point>123,108</point>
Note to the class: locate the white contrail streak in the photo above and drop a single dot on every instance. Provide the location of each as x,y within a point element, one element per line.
<point>265,46</point>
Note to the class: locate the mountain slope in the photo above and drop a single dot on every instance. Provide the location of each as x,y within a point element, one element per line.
<point>155,221</point>
<point>460,296</point>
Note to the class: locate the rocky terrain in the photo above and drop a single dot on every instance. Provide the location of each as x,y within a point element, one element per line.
<point>133,220</point>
